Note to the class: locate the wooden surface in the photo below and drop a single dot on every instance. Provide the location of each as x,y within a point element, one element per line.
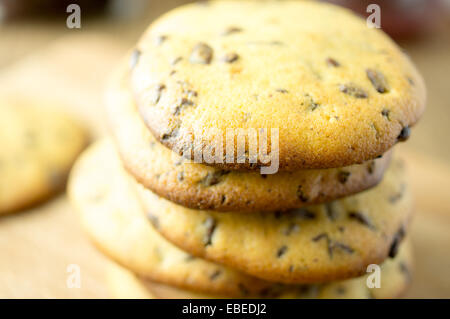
<point>37,246</point>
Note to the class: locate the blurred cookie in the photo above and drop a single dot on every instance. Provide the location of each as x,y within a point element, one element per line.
<point>38,147</point>
<point>338,92</point>
<point>395,277</point>
<point>199,186</point>
<point>326,242</point>
<point>112,216</point>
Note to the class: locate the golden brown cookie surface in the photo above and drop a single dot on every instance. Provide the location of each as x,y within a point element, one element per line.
<point>199,186</point>
<point>339,92</point>
<point>318,243</point>
<point>38,145</point>
<point>394,279</point>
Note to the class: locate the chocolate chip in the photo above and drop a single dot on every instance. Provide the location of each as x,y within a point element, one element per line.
<point>134,58</point>
<point>292,228</point>
<point>153,220</point>
<point>215,274</point>
<point>230,57</point>
<point>180,176</point>
<point>301,195</point>
<point>404,134</point>
<point>332,245</point>
<point>385,113</point>
<point>201,54</point>
<point>243,289</point>
<point>398,195</point>
<point>309,101</point>
<point>282,91</point>
<point>268,292</point>
<point>313,105</point>
<point>342,247</point>
<point>224,199</point>
<point>155,93</point>
<point>165,136</point>
<point>190,93</point>
<point>302,213</point>
<point>332,62</point>
<point>371,167</point>
<point>327,239</point>
<point>210,225</point>
<point>213,178</point>
<point>343,176</point>
<point>398,237</point>
<point>170,133</point>
<point>330,211</point>
<point>309,291</point>
<point>281,251</point>
<point>176,60</point>
<point>378,80</point>
<point>362,219</point>
<point>353,90</point>
<point>404,269</point>
<point>181,103</point>
<point>340,290</point>
<point>320,236</point>
<point>160,39</point>
<point>231,30</point>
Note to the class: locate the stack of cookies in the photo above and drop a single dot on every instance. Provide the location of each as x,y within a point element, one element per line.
<point>311,211</point>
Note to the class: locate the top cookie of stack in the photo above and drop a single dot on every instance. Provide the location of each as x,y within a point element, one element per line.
<point>336,98</point>
<point>337,95</point>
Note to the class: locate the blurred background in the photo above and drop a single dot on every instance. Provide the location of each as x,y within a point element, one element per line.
<point>41,57</point>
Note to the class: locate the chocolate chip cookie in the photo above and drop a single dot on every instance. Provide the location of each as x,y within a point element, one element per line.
<point>326,242</point>
<point>200,186</point>
<point>114,219</point>
<point>395,276</point>
<point>330,91</point>
<point>39,144</point>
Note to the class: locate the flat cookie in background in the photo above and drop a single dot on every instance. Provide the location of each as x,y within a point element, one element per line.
<point>38,145</point>
<point>114,219</point>
<point>395,277</point>
<point>340,93</point>
<point>199,186</point>
<point>326,242</point>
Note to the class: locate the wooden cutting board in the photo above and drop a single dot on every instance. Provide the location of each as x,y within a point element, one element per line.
<point>38,246</point>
